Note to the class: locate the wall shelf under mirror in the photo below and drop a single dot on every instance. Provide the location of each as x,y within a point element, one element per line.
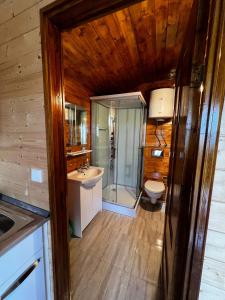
<point>77,153</point>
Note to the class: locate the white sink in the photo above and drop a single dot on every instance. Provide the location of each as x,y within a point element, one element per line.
<point>84,197</point>
<point>88,178</point>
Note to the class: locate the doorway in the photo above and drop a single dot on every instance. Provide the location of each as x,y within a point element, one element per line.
<point>55,19</point>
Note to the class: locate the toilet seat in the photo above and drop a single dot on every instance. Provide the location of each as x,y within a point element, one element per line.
<point>155,186</point>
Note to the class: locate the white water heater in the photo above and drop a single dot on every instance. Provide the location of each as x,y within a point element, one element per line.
<point>161,103</point>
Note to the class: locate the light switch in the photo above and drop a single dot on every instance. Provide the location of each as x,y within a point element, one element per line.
<point>37,175</point>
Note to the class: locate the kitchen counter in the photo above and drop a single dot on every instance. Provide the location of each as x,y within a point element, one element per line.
<point>27,219</point>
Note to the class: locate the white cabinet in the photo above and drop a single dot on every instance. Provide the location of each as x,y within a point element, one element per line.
<point>97,197</point>
<point>84,204</point>
<point>86,211</point>
<point>22,274</point>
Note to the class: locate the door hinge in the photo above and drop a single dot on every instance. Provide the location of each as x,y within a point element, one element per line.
<point>197,75</point>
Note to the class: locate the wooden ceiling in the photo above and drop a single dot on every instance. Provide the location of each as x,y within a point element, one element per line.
<point>122,50</point>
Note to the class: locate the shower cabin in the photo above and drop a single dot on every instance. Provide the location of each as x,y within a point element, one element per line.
<point>118,137</point>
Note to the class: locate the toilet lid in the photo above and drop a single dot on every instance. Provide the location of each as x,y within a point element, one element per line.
<point>155,186</point>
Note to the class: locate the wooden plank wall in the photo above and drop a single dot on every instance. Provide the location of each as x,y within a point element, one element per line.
<point>77,94</point>
<point>152,164</point>
<point>22,120</point>
<point>146,38</point>
<point>213,276</point>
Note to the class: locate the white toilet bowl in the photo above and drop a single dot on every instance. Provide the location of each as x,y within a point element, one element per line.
<point>154,190</point>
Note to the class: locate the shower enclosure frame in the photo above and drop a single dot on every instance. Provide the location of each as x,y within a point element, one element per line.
<point>113,179</point>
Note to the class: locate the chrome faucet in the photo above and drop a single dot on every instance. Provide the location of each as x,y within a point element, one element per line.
<point>80,169</point>
<point>84,166</point>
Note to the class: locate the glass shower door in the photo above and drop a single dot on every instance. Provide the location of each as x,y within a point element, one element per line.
<point>103,147</point>
<point>116,145</point>
<point>129,124</point>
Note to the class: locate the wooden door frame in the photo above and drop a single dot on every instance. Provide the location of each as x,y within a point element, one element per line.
<point>190,260</point>
<point>55,18</point>
<point>190,263</point>
<point>213,99</point>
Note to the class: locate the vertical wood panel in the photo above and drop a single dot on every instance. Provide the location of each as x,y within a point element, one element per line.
<point>213,276</point>
<point>22,117</point>
<point>215,245</point>
<point>214,273</point>
<point>152,164</point>
<point>134,45</point>
<point>77,94</point>
<point>209,292</point>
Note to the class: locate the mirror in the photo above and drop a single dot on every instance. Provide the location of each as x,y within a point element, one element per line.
<point>75,125</point>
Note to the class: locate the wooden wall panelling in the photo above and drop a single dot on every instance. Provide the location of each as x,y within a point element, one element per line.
<point>217,211</point>
<point>219,180</point>
<point>161,8</point>
<point>213,277</point>
<point>156,164</point>
<point>215,246</point>
<point>152,164</point>
<point>79,95</point>
<point>73,163</point>
<point>214,273</point>
<point>22,124</point>
<point>208,291</point>
<point>80,51</point>
<point>108,29</point>
<point>143,26</point>
<point>125,44</point>
<point>22,121</point>
<point>171,32</point>
<point>135,38</point>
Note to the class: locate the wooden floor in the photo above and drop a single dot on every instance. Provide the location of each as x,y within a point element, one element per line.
<point>118,257</point>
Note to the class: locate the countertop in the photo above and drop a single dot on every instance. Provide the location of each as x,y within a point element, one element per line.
<point>37,221</point>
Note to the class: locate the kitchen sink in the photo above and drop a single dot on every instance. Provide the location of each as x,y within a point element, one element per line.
<point>5,224</point>
<point>11,221</point>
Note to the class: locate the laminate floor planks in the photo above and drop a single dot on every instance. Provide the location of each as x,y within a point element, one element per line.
<point>118,257</point>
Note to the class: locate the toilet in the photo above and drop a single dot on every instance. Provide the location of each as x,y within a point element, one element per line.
<point>154,189</point>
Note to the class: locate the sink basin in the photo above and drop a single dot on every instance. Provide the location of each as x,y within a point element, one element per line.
<point>5,224</point>
<point>11,221</point>
<point>87,178</point>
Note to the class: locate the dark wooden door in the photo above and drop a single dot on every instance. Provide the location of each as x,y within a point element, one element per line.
<point>184,149</point>
<point>184,130</point>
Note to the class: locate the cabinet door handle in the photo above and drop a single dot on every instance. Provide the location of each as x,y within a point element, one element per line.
<point>20,279</point>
